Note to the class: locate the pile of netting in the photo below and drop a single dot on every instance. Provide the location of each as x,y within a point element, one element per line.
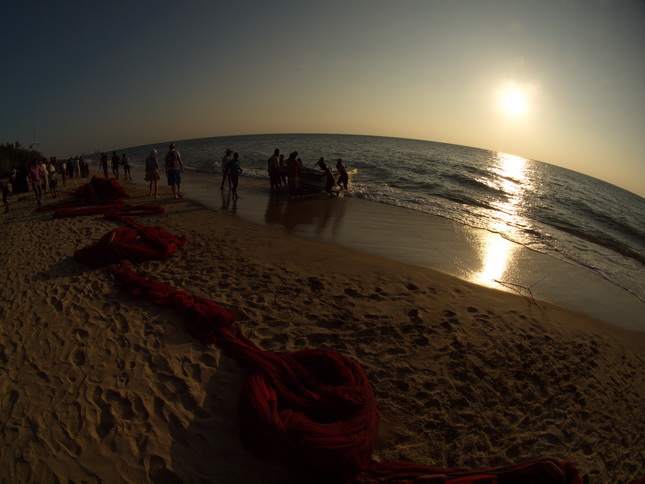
<point>135,243</point>
<point>100,195</point>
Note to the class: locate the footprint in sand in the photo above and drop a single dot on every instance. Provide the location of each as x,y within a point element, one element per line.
<point>74,419</point>
<point>79,357</point>
<point>121,323</point>
<point>140,409</point>
<point>56,303</point>
<point>209,360</point>
<point>7,404</point>
<point>45,349</point>
<point>159,407</point>
<point>158,472</point>
<point>106,423</point>
<point>62,437</point>
<point>317,339</point>
<point>121,405</point>
<point>191,370</point>
<point>159,364</point>
<point>73,374</point>
<point>171,386</point>
<point>44,377</point>
<point>415,316</point>
<point>81,334</point>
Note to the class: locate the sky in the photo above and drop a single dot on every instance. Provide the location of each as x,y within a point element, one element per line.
<point>559,81</point>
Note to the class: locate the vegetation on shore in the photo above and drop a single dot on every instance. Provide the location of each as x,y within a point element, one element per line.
<point>13,155</point>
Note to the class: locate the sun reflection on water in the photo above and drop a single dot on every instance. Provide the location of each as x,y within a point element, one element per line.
<point>497,253</point>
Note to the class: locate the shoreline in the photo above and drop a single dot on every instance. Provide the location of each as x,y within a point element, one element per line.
<point>97,386</point>
<point>471,254</point>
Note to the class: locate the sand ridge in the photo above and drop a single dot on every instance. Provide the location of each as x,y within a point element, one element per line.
<point>98,387</point>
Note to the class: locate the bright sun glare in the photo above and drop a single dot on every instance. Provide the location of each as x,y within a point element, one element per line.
<point>514,101</point>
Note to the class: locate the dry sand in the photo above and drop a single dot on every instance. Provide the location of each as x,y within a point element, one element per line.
<point>96,387</point>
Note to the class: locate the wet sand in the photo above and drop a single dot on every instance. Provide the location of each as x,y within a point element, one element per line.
<point>471,254</point>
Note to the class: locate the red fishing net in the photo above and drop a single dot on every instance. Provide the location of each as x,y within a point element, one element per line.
<point>545,471</point>
<point>99,191</point>
<point>312,408</point>
<point>135,243</point>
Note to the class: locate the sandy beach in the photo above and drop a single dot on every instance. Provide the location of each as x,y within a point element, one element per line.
<point>98,387</point>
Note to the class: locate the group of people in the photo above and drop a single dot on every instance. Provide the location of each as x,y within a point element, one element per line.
<point>343,177</point>
<point>116,161</point>
<point>287,173</point>
<point>43,175</point>
<point>174,166</point>
<point>231,171</point>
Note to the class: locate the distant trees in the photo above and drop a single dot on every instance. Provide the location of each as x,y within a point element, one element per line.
<point>13,155</point>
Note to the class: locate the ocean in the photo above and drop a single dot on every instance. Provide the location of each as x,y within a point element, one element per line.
<point>564,214</point>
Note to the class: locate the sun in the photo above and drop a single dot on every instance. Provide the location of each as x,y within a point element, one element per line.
<point>514,101</point>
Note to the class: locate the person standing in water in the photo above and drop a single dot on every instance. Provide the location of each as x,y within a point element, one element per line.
<point>293,174</point>
<point>282,168</point>
<point>274,169</point>
<point>225,161</point>
<point>344,177</point>
<point>174,167</point>
<point>329,176</point>
<point>234,171</point>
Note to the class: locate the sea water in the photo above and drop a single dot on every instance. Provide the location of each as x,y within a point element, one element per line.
<point>562,213</point>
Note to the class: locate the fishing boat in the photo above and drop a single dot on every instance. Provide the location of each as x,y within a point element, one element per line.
<point>315,180</point>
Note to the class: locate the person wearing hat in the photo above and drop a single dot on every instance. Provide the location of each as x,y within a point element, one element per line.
<point>174,167</point>
<point>225,175</point>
